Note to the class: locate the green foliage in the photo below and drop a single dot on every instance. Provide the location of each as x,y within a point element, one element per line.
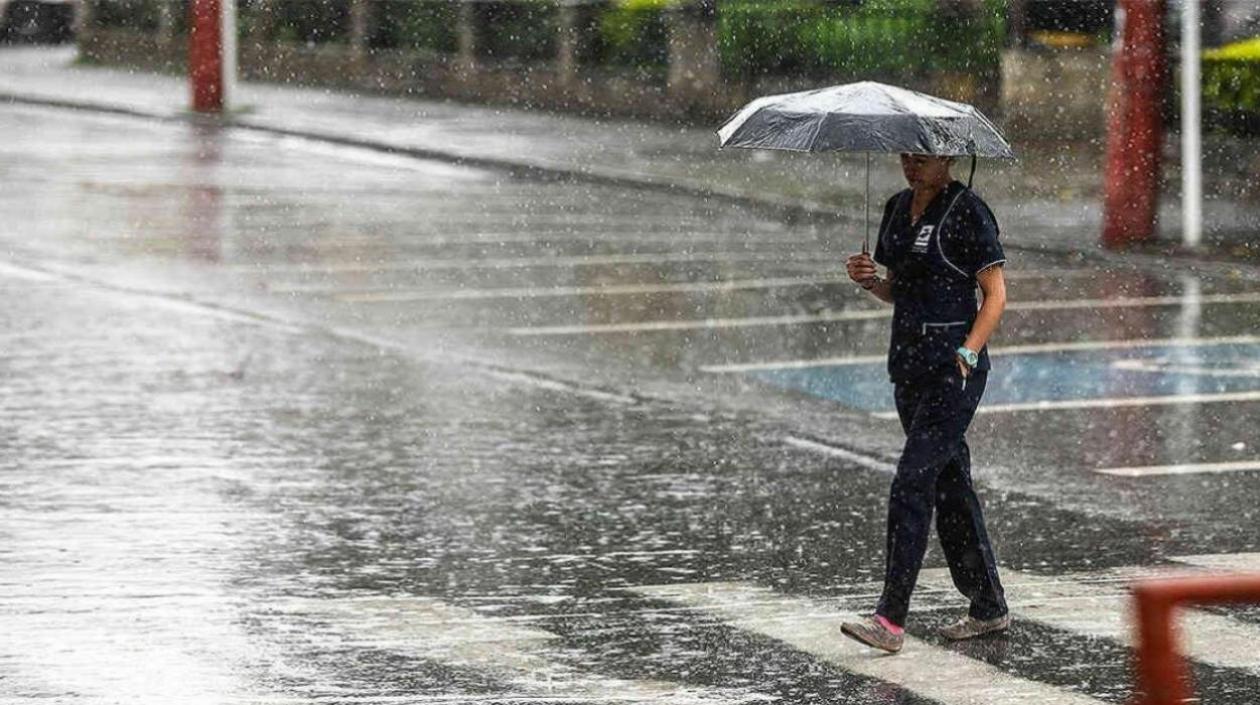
<point>1231,95</point>
<point>416,24</point>
<point>521,30</point>
<point>311,21</point>
<point>884,38</point>
<point>126,14</point>
<point>633,33</point>
<point>1247,50</point>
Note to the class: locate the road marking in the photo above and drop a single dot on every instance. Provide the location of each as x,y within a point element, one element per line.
<point>1232,562</point>
<point>813,626</point>
<point>708,323</point>
<point>869,314</point>
<point>32,275</point>
<point>557,385</point>
<point>1116,403</point>
<point>1181,469</point>
<point>530,292</point>
<point>1163,367</point>
<point>865,461</point>
<point>1028,349</point>
<point>463,263</point>
<point>1102,610</point>
<point>432,629</point>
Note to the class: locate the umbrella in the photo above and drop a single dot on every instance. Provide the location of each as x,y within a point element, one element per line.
<point>865,117</point>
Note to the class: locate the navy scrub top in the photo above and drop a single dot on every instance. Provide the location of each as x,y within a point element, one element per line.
<point>934,262</point>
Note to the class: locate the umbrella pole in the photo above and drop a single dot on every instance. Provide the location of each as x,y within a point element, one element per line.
<point>866,241</point>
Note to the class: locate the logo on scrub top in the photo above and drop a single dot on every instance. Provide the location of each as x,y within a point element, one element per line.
<point>921,242</point>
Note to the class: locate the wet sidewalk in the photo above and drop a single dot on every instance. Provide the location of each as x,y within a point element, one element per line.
<point>1048,201</point>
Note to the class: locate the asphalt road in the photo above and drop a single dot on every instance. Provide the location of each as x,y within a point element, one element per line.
<point>289,422</point>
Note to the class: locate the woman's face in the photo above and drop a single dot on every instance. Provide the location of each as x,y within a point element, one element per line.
<point>925,170</point>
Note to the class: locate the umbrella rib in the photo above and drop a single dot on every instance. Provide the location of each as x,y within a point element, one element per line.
<point>813,140</point>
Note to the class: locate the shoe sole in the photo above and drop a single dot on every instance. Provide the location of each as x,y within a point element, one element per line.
<point>854,636</point>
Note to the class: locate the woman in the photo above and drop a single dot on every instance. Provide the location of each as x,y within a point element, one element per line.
<point>939,242</point>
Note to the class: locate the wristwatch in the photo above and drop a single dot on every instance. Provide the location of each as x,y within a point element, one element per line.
<point>971,357</point>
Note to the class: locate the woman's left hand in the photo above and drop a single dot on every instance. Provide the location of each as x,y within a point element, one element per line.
<point>963,369</point>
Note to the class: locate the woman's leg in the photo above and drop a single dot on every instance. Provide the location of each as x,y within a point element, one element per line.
<point>965,541</point>
<point>937,421</point>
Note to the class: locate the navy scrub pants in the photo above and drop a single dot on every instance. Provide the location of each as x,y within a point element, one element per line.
<point>935,473</point>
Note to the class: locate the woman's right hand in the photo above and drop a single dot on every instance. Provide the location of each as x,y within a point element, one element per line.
<point>861,269</point>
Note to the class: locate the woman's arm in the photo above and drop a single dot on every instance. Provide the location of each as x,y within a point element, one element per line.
<point>882,288</point>
<point>862,270</point>
<point>993,283</point>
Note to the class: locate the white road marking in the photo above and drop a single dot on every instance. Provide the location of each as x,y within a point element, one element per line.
<point>1115,403</point>
<point>867,314</point>
<point>1102,610</point>
<point>865,461</point>
<point>708,323</point>
<point>1164,367</point>
<point>1231,562</point>
<point>556,385</point>
<point>813,626</point>
<point>1028,349</point>
<point>530,292</point>
<point>432,629</point>
<point>465,263</point>
<point>14,271</point>
<point>1181,469</point>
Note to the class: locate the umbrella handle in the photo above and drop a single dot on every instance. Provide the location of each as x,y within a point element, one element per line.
<point>866,241</point>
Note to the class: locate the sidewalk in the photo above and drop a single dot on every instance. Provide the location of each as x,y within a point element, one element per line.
<point>1047,201</point>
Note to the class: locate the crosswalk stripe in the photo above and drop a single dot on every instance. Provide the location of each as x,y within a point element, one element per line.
<point>436,630</point>
<point>1181,469</point>
<point>1234,562</point>
<point>813,626</point>
<point>1103,610</point>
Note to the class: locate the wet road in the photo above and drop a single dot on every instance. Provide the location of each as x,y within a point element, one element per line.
<point>296,423</point>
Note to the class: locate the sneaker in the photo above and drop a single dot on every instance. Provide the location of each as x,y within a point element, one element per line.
<point>870,632</point>
<point>969,627</point>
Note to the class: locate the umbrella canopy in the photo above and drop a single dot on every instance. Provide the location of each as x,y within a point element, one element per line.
<point>864,117</point>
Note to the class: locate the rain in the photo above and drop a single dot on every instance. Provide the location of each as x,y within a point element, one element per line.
<point>609,351</point>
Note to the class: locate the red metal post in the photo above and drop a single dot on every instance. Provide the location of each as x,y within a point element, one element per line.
<point>205,55</point>
<point>1163,678</point>
<point>1135,130</point>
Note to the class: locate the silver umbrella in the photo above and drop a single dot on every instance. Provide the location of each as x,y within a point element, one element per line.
<point>865,117</point>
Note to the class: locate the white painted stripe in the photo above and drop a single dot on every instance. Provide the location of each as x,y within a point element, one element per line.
<point>1028,349</point>
<point>556,385</point>
<point>865,461</point>
<point>708,323</point>
<point>393,295</point>
<point>1181,469</point>
<point>1115,403</point>
<point>1231,562</point>
<point>1102,610</point>
<point>866,314</point>
<point>465,263</point>
<point>1171,400</point>
<point>431,629</point>
<point>813,626</point>
<point>15,271</point>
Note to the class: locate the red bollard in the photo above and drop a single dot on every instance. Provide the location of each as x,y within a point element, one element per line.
<point>1135,129</point>
<point>1162,676</point>
<point>205,55</point>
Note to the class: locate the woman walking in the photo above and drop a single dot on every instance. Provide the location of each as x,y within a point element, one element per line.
<point>939,243</point>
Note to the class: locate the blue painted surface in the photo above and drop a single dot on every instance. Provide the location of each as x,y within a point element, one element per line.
<point>1015,379</point>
